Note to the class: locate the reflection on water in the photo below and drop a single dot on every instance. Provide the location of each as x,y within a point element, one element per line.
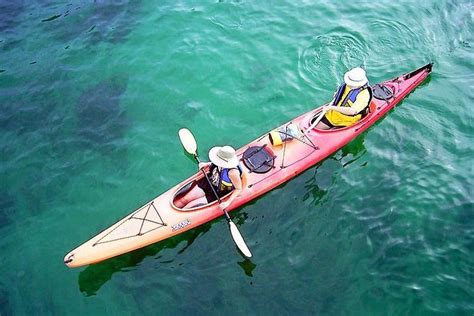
<point>95,276</point>
<point>389,228</point>
<point>312,189</point>
<point>318,185</point>
<point>248,266</point>
<point>355,149</point>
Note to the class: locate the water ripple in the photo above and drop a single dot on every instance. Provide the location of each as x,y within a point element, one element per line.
<point>335,52</point>
<point>385,224</point>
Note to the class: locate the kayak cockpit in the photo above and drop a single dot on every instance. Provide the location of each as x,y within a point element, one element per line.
<point>181,198</point>
<point>369,112</point>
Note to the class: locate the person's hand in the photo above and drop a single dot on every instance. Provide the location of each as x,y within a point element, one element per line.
<point>202,165</point>
<point>225,205</point>
<point>327,108</point>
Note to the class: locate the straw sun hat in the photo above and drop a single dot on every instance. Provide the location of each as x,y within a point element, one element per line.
<point>224,157</point>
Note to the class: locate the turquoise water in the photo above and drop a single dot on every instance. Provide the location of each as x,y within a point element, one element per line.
<point>92,95</point>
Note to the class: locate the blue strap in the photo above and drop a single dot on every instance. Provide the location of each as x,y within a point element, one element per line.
<point>340,90</point>
<point>352,95</point>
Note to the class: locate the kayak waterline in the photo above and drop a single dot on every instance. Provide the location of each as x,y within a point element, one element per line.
<point>266,165</point>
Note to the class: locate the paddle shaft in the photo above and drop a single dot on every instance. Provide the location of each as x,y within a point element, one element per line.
<point>323,112</point>
<point>189,143</point>
<point>212,187</point>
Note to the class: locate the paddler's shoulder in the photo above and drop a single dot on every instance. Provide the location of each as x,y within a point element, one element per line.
<point>364,93</point>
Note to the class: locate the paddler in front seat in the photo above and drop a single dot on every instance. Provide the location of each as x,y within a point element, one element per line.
<point>225,175</point>
<point>350,102</point>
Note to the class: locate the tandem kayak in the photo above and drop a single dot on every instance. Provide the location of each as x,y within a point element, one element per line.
<point>266,164</point>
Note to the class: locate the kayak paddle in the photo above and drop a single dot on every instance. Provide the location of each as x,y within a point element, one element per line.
<point>189,143</point>
<point>316,121</point>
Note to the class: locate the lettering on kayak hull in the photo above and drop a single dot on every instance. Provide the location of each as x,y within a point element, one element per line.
<point>180,225</point>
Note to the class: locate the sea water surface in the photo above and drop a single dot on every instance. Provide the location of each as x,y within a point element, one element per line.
<point>92,94</point>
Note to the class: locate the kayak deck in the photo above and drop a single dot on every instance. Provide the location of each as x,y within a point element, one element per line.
<point>160,218</point>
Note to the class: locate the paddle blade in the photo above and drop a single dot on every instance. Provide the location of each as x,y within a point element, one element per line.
<point>239,240</point>
<point>188,141</point>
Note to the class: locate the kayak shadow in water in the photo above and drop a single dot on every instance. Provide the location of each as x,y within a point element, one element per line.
<point>352,151</point>
<point>95,276</point>
<point>317,186</point>
<point>247,266</point>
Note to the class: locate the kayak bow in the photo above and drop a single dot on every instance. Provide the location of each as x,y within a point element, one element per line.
<point>265,166</point>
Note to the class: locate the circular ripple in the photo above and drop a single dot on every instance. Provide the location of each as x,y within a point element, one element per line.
<point>394,42</point>
<point>335,52</point>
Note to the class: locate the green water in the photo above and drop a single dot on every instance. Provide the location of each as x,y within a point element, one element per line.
<point>92,95</point>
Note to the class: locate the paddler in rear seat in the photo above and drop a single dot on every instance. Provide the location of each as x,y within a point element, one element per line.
<point>351,101</point>
<point>225,175</point>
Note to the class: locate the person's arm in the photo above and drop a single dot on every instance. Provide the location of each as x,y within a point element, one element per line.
<point>234,176</point>
<point>203,164</point>
<point>341,109</point>
<point>360,103</point>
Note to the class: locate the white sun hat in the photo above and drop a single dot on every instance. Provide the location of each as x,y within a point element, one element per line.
<point>224,157</point>
<point>355,77</point>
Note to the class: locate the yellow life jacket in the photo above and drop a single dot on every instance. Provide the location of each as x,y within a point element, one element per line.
<point>345,97</point>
